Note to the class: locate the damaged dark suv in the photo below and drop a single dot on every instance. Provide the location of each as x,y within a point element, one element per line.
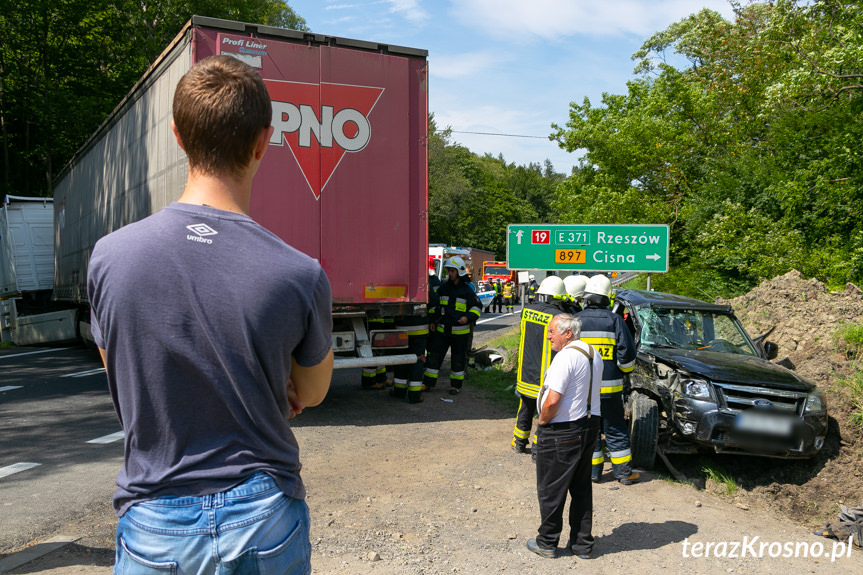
<point>701,381</point>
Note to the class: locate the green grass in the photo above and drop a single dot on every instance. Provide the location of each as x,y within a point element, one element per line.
<point>854,383</point>
<point>498,382</point>
<point>848,340</point>
<point>725,482</point>
<point>638,282</point>
<point>5,344</point>
<point>507,340</point>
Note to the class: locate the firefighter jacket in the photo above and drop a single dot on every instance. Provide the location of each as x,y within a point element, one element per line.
<point>507,290</point>
<point>534,351</point>
<point>454,302</point>
<point>434,286</point>
<point>531,288</point>
<point>607,332</point>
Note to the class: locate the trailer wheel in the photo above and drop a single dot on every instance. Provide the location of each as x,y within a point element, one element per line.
<point>644,430</point>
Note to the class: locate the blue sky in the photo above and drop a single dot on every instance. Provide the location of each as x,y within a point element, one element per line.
<point>510,66</point>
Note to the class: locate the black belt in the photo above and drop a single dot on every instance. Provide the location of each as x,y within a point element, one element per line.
<point>578,423</point>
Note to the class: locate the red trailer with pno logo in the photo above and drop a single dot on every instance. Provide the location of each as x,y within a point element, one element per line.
<point>345,178</point>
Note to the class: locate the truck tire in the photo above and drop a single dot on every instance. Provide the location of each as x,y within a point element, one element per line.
<point>644,430</point>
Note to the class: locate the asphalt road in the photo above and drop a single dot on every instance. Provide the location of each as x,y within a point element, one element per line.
<point>57,451</point>
<point>60,441</point>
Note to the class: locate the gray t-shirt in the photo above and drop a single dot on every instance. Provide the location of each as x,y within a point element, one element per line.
<point>200,311</point>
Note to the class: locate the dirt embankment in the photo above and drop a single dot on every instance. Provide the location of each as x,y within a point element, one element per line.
<point>805,316</point>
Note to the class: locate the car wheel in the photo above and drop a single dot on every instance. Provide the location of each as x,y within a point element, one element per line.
<point>644,430</point>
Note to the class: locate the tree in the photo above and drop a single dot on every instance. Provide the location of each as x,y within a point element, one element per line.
<point>472,199</point>
<point>65,64</point>
<point>751,152</point>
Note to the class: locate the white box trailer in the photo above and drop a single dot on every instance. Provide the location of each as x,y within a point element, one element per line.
<point>8,280</point>
<point>27,273</point>
<point>26,245</point>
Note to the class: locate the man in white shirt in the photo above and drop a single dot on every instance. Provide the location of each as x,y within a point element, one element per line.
<point>568,405</point>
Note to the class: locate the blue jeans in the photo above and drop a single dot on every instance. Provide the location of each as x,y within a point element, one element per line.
<point>250,529</point>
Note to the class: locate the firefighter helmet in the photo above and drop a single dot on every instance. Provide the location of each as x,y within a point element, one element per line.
<point>553,286</point>
<point>575,286</point>
<point>531,277</point>
<point>599,285</point>
<point>458,264</point>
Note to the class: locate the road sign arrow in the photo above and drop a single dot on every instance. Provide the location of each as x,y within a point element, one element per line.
<point>518,235</point>
<point>654,257</point>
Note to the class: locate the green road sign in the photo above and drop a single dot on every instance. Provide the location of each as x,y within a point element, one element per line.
<point>586,247</point>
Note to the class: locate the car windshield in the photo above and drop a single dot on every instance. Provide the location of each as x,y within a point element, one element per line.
<point>496,271</point>
<point>693,329</point>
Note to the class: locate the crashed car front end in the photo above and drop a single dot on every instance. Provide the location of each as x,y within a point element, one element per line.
<point>747,418</point>
<point>714,384</point>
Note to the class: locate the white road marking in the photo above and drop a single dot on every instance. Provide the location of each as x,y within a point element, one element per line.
<point>108,438</point>
<point>9,388</point>
<point>498,316</point>
<point>52,350</point>
<point>85,373</point>
<point>16,467</point>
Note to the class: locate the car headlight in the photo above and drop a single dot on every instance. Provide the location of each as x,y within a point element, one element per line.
<point>696,388</point>
<point>815,402</point>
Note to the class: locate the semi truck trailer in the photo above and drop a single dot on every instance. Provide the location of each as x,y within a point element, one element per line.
<point>345,179</point>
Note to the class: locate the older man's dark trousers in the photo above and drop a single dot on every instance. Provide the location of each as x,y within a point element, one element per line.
<point>563,461</point>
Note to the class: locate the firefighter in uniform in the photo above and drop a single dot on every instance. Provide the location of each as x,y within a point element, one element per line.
<point>497,302</point>
<point>532,286</point>
<point>408,378</point>
<point>508,295</point>
<point>534,355</point>
<point>376,377</point>
<point>434,285</point>
<point>457,310</point>
<point>606,331</point>
<point>575,291</point>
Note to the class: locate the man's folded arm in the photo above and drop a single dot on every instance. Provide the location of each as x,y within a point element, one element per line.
<point>312,383</point>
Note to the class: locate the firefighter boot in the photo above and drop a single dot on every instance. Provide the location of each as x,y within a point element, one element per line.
<point>400,388</point>
<point>368,380</point>
<point>519,445</point>
<point>415,391</point>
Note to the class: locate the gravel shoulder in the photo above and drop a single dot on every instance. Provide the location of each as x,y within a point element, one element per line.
<point>434,488</point>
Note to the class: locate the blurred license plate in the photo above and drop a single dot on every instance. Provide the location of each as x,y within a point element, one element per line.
<point>764,423</point>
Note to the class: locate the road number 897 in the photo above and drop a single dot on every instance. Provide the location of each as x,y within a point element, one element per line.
<point>570,256</point>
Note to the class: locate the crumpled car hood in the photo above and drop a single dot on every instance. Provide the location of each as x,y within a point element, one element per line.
<point>733,368</point>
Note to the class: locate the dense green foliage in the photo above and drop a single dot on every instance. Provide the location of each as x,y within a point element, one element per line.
<point>472,198</point>
<point>65,64</point>
<point>745,137</point>
<point>750,149</point>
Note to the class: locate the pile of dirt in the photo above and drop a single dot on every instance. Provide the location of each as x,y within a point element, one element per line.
<point>805,317</point>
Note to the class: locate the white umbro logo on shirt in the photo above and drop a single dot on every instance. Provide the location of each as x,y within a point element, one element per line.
<point>200,232</point>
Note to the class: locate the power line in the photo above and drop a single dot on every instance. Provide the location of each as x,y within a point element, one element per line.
<point>496,134</point>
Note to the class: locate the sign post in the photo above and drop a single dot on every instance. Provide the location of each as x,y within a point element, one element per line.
<point>588,247</point>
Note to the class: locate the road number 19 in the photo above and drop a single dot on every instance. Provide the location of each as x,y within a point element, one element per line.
<point>570,256</point>
<point>540,237</point>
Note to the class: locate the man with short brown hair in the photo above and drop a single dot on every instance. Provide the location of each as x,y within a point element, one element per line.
<point>214,332</point>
